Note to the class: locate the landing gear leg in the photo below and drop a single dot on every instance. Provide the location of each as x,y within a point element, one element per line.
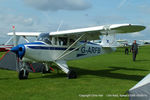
<point>23,72</point>
<point>46,69</point>
<point>64,67</point>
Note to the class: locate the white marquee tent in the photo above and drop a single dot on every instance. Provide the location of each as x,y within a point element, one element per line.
<point>141,91</point>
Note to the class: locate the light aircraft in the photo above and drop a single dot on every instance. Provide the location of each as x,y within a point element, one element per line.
<point>5,47</point>
<point>122,43</point>
<point>127,43</point>
<point>61,46</point>
<point>144,41</point>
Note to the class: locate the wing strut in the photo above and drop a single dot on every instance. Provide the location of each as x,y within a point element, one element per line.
<point>71,51</point>
<point>8,41</point>
<point>63,66</point>
<point>25,38</point>
<point>64,53</point>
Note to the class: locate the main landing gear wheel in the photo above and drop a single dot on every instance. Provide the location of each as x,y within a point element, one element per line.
<point>44,71</point>
<point>23,74</point>
<point>72,74</point>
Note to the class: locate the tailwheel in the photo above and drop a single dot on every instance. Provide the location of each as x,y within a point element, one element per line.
<point>72,74</point>
<point>23,74</point>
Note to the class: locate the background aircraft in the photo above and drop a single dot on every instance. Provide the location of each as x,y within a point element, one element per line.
<point>122,43</point>
<point>145,42</point>
<point>5,47</point>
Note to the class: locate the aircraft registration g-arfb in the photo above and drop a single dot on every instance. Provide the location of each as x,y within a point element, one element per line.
<point>61,46</point>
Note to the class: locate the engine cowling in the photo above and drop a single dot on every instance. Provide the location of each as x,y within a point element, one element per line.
<point>19,50</point>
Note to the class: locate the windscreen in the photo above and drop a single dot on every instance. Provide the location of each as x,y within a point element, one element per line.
<point>44,37</point>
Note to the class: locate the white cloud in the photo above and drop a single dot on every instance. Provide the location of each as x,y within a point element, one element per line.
<point>144,8</point>
<point>28,21</point>
<point>21,23</point>
<point>137,34</point>
<point>14,19</point>
<point>55,5</point>
<point>100,20</point>
<point>122,3</point>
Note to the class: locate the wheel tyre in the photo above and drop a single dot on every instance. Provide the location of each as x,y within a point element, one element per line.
<point>49,71</point>
<point>72,74</point>
<point>21,75</point>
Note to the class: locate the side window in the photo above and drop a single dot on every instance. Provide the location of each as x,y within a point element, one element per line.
<point>71,41</point>
<point>62,41</point>
<point>65,41</point>
<point>55,41</point>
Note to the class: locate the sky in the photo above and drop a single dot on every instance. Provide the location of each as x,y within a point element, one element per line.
<point>47,15</point>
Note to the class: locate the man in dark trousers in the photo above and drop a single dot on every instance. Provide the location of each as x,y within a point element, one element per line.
<point>126,49</point>
<point>134,49</point>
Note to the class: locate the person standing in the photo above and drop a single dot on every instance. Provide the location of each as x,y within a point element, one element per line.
<point>126,49</point>
<point>134,50</point>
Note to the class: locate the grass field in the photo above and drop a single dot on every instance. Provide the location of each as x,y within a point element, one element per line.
<point>105,75</point>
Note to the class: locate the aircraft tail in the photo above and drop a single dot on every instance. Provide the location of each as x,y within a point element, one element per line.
<point>109,41</point>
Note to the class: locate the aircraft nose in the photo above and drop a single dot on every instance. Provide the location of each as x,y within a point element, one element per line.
<point>15,49</point>
<point>19,50</point>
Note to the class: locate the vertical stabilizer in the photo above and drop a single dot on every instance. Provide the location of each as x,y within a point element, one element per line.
<point>109,41</point>
<point>15,38</point>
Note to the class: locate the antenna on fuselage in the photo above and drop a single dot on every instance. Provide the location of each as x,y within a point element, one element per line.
<point>59,26</point>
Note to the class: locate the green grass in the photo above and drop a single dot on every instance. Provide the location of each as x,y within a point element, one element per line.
<point>107,74</point>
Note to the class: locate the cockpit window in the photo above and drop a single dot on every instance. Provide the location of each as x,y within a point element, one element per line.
<point>45,38</point>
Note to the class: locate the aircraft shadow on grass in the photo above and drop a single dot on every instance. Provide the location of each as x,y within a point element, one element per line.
<point>4,78</point>
<point>144,60</point>
<point>104,73</point>
<point>109,72</point>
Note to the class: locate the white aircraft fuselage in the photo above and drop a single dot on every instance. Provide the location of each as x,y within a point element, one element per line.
<point>41,52</point>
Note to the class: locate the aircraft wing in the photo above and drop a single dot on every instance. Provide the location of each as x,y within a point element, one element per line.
<point>92,33</point>
<point>27,34</point>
